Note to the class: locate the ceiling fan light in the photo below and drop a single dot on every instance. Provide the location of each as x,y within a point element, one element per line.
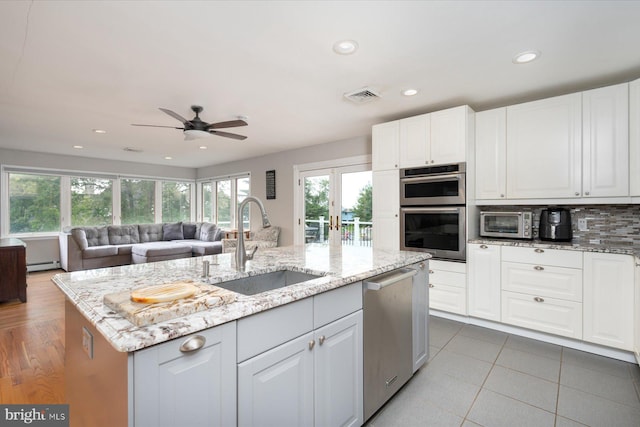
<point>191,134</point>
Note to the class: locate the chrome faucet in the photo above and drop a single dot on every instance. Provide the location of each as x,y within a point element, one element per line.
<point>241,253</point>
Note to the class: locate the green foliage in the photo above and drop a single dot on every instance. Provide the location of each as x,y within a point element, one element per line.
<point>316,197</point>
<point>34,203</point>
<point>176,201</point>
<point>364,203</point>
<point>137,201</point>
<point>91,201</point>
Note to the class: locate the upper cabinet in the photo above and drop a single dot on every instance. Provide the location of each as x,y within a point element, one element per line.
<point>634,137</point>
<point>544,148</point>
<point>384,150</point>
<point>571,147</point>
<point>415,141</point>
<point>450,131</point>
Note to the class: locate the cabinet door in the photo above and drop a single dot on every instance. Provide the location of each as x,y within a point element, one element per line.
<point>384,149</point>
<point>415,141</point>
<point>449,131</point>
<point>193,388</point>
<point>338,373</point>
<point>634,136</point>
<point>544,158</point>
<point>608,299</point>
<point>386,206</point>
<point>491,151</point>
<point>636,324</point>
<point>484,281</point>
<point>275,388</point>
<point>420,313</point>
<point>605,142</point>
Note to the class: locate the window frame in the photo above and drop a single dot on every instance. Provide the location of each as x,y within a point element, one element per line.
<point>233,198</point>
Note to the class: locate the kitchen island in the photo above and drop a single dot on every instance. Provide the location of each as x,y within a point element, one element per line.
<point>118,373</point>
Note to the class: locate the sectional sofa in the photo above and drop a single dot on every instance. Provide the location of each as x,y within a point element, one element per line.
<point>84,248</point>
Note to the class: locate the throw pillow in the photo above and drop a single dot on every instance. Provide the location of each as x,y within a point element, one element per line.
<point>172,231</point>
<point>208,232</point>
<point>188,231</point>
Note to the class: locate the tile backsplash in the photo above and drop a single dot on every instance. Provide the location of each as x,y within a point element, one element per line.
<point>605,223</point>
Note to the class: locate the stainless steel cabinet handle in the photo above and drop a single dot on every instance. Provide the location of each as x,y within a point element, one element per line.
<point>312,344</point>
<point>538,267</point>
<point>539,251</point>
<point>192,344</point>
<point>538,299</point>
<point>321,339</point>
<point>484,247</point>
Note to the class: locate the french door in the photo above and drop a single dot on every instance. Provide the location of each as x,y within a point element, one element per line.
<point>334,206</point>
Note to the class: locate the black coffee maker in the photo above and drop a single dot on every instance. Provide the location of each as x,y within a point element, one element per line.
<point>555,225</point>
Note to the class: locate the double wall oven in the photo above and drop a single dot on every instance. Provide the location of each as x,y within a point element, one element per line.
<point>433,211</point>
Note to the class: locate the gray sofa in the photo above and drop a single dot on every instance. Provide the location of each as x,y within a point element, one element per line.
<point>84,248</point>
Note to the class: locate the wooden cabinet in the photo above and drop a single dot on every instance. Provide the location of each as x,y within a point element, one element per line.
<point>605,142</point>
<point>386,209</point>
<point>302,379</point>
<point>13,270</point>
<point>545,148</point>
<point>484,281</point>
<point>177,386</point>
<point>447,286</point>
<point>491,151</point>
<point>385,146</point>
<point>415,141</point>
<point>609,299</point>
<point>634,137</point>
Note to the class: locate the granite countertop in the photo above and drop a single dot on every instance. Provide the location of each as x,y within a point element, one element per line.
<point>339,266</point>
<point>609,246</point>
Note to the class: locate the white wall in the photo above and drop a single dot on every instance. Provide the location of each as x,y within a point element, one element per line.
<point>281,209</point>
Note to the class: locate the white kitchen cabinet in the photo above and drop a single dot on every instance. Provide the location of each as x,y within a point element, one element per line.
<point>609,299</point>
<point>420,312</point>
<point>634,137</point>
<point>386,209</point>
<point>491,151</point>
<point>450,131</point>
<point>483,263</point>
<point>448,286</point>
<point>545,148</point>
<point>415,141</point>
<point>385,146</point>
<point>181,387</point>
<point>636,310</point>
<point>605,142</point>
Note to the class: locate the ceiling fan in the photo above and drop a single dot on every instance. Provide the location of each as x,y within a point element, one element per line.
<point>196,128</point>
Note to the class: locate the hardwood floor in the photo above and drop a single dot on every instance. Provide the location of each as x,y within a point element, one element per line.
<point>32,344</point>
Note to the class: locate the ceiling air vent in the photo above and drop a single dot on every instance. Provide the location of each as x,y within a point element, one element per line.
<point>132,150</point>
<point>362,96</point>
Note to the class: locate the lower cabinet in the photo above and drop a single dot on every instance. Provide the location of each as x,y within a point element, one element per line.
<point>608,299</point>
<point>190,381</point>
<point>637,314</point>
<point>448,286</point>
<point>484,281</point>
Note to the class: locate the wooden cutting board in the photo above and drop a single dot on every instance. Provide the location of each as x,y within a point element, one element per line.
<point>167,301</point>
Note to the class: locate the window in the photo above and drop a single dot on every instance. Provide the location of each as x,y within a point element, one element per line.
<point>91,201</point>
<point>34,203</point>
<point>137,201</point>
<point>242,185</point>
<point>207,201</point>
<point>220,200</point>
<point>223,203</point>
<point>176,201</point>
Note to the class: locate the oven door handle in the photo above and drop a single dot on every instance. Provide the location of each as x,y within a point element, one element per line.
<point>453,209</point>
<point>437,178</point>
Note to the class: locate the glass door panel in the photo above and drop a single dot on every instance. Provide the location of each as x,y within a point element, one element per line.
<point>355,212</point>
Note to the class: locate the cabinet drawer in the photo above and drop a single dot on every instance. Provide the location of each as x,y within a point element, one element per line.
<point>337,303</point>
<point>543,280</point>
<point>448,278</point>
<point>539,256</point>
<point>456,267</point>
<point>555,316</point>
<point>270,328</point>
<point>448,298</point>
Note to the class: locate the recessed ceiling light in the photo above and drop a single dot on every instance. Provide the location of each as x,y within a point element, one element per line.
<point>524,57</point>
<point>78,147</point>
<point>168,158</point>
<point>410,92</point>
<point>99,131</point>
<point>345,47</point>
<point>203,147</point>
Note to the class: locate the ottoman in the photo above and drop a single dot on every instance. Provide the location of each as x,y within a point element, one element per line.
<point>158,251</point>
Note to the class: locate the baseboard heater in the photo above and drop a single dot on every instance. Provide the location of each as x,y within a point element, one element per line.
<point>42,266</point>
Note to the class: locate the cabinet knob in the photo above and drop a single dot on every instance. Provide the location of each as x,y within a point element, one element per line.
<point>430,271</point>
<point>192,344</point>
<point>421,266</point>
<point>431,285</point>
<point>577,194</point>
<point>433,161</point>
<point>312,344</point>
<point>484,247</point>
<point>502,195</point>
<point>586,193</point>
<point>538,299</point>
<point>539,251</point>
<point>321,339</point>
<point>538,267</point>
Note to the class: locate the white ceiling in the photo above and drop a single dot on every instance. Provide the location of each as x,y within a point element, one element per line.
<point>69,67</point>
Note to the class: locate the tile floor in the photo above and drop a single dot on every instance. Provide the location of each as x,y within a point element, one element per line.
<point>482,377</point>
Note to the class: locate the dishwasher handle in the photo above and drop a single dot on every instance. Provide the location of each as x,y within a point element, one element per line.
<point>376,285</point>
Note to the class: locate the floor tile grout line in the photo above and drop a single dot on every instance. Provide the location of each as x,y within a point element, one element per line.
<point>555,421</point>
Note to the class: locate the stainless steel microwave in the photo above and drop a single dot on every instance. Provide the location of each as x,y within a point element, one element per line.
<point>509,225</point>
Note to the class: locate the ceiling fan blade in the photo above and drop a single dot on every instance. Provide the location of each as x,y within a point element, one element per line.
<point>156,126</point>
<point>229,124</point>
<point>228,135</point>
<point>174,115</point>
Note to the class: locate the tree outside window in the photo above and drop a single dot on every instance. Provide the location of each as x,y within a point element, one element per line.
<point>176,201</point>
<point>223,203</point>
<point>91,201</point>
<point>34,203</point>
<point>137,201</point>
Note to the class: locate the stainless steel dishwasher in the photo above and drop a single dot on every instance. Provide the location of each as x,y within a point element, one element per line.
<point>388,349</point>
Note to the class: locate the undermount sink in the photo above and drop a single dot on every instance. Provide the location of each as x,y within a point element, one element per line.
<point>266,282</point>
